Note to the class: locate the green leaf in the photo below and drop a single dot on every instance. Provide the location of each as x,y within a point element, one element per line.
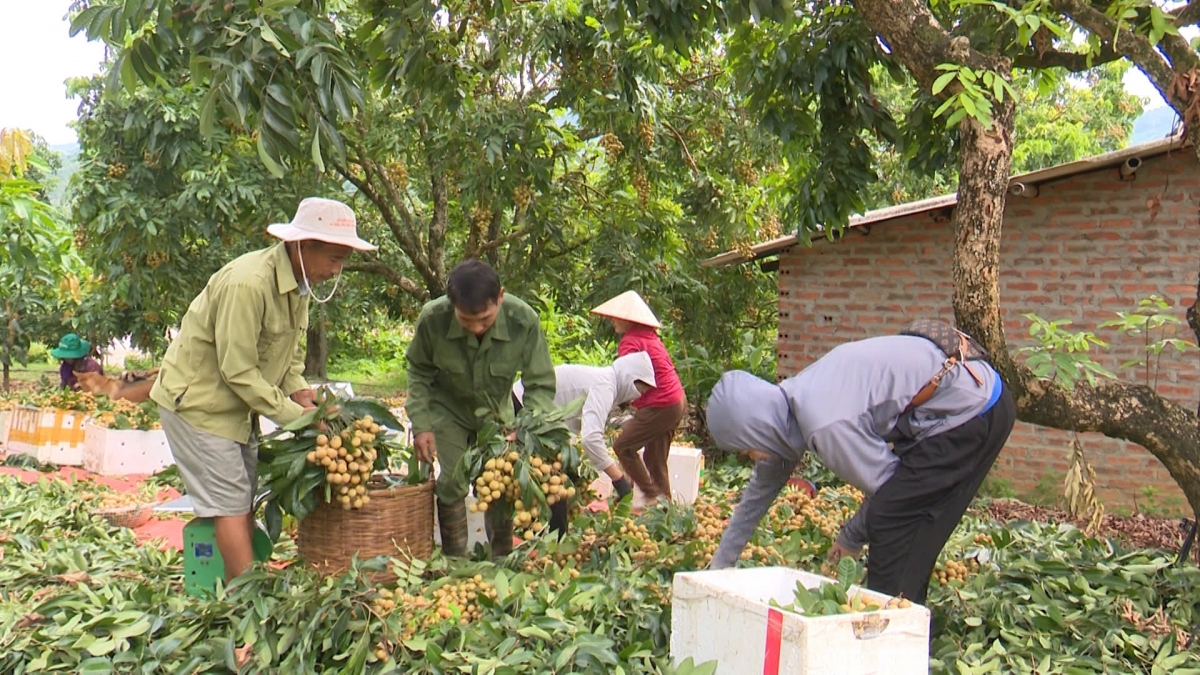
<point>102,646</point>
<point>266,158</point>
<point>943,80</point>
<point>316,152</point>
<point>95,666</point>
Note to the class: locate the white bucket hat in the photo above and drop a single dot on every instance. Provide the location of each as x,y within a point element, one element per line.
<point>324,220</point>
<point>629,306</point>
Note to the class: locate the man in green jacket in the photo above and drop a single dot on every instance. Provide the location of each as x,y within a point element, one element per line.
<point>237,355</point>
<point>470,346</point>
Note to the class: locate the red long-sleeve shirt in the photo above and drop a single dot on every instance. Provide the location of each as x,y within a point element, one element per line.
<point>668,390</point>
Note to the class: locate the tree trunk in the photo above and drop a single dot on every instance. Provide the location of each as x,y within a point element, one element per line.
<point>316,352</point>
<point>6,378</point>
<point>1116,409</point>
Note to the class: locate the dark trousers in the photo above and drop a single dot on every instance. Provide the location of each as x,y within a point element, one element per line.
<point>915,511</point>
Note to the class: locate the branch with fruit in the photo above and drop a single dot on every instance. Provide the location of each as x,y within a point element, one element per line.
<point>333,454</point>
<point>523,462</point>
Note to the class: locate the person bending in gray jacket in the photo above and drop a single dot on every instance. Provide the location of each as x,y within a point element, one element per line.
<point>848,407</point>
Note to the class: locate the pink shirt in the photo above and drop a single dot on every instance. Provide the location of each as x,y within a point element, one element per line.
<point>668,391</point>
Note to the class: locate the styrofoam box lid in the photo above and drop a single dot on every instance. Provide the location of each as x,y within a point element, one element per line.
<point>753,588</point>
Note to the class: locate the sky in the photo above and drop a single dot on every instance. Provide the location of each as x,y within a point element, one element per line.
<point>38,55</point>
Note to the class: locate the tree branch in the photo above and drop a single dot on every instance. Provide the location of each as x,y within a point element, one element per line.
<point>687,154</point>
<point>378,268</point>
<point>1136,47</point>
<point>404,237</point>
<point>1188,15</point>
<point>1071,61</point>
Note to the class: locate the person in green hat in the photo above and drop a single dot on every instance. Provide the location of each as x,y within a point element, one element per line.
<point>75,354</point>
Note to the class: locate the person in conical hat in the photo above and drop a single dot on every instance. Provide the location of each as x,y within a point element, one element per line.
<point>657,412</point>
<point>237,356</point>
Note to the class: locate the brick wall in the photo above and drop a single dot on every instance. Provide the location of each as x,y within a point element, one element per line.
<point>1086,247</point>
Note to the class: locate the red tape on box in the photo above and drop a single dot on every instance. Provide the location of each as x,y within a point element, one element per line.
<point>774,639</point>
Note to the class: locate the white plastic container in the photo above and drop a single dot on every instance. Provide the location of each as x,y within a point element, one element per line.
<point>115,452</point>
<point>725,616</point>
<point>49,434</point>
<point>683,464</point>
<point>4,417</point>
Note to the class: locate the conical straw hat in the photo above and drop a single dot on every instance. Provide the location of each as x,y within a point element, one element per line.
<point>630,307</point>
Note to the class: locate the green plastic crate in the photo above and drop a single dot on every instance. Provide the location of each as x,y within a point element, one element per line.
<point>202,562</point>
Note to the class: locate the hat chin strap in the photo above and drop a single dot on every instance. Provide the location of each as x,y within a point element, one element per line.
<point>336,281</point>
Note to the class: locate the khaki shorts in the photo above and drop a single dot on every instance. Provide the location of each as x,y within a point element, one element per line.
<point>220,475</point>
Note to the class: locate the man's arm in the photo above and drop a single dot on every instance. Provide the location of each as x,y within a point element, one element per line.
<point>537,371</point>
<point>237,325</point>
<point>593,419</point>
<point>421,373</point>
<point>768,479</point>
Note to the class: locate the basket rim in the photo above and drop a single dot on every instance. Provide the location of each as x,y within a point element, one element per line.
<point>399,489</point>
<point>122,510</point>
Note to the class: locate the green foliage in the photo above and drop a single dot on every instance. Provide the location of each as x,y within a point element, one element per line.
<point>699,367</point>
<point>37,267</point>
<point>76,591</point>
<point>1059,119</point>
<point>159,207</point>
<point>572,337</point>
<point>1062,354</point>
<point>973,93</point>
<point>38,352</point>
<point>1152,316</point>
<point>995,487</point>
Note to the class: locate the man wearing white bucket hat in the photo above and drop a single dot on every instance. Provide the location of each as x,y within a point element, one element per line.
<point>238,355</point>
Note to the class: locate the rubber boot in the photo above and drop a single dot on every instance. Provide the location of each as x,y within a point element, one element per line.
<point>452,521</point>
<point>499,525</point>
<point>558,519</point>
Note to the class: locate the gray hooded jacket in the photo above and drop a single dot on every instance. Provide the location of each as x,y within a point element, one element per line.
<point>605,388</point>
<point>846,407</point>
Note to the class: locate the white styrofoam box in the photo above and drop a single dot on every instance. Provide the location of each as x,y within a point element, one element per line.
<point>117,452</point>
<point>725,616</point>
<point>4,417</point>
<point>476,527</point>
<point>683,464</point>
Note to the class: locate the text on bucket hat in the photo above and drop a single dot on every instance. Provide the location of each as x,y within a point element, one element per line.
<point>629,306</point>
<point>320,219</point>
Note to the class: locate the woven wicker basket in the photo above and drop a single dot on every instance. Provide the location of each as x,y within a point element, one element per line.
<point>398,521</point>
<point>127,516</point>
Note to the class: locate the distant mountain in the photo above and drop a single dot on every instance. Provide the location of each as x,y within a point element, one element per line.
<point>70,162</point>
<point>1153,125</point>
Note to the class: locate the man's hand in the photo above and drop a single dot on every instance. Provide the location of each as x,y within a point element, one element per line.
<point>307,398</point>
<point>837,552</point>
<point>426,447</point>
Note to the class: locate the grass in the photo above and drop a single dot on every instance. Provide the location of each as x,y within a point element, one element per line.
<point>371,378</point>
<point>32,372</point>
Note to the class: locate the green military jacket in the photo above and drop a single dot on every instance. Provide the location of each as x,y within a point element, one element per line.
<point>451,373</point>
<point>239,350</point>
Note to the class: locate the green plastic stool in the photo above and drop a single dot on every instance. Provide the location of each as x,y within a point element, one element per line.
<point>202,562</point>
